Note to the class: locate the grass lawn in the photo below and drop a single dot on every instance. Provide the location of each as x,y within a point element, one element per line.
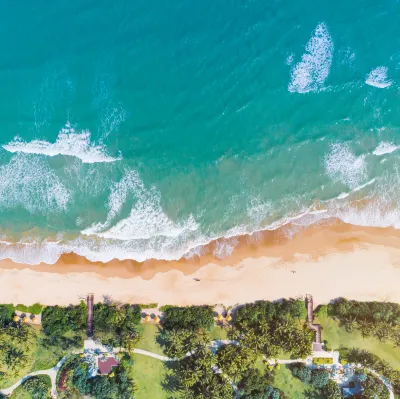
<point>290,385</point>
<point>149,374</point>
<point>337,336</point>
<point>149,333</point>
<point>38,358</point>
<point>20,393</point>
<point>218,332</point>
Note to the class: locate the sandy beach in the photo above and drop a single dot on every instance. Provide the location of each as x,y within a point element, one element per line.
<point>327,261</point>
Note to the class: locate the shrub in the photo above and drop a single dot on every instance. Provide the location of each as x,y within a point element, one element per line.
<point>322,360</point>
<point>21,308</point>
<point>188,318</point>
<point>321,311</point>
<point>57,320</point>
<point>38,387</point>
<point>6,314</point>
<point>36,308</point>
<point>148,305</point>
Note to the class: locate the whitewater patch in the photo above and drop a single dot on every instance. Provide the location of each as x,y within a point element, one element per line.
<point>146,220</point>
<point>342,165</point>
<point>28,181</point>
<point>385,148</point>
<point>378,78</point>
<point>69,142</point>
<point>311,72</point>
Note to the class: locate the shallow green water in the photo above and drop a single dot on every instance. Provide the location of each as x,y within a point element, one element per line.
<point>133,131</point>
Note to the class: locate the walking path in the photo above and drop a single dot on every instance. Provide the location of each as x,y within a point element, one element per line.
<point>388,385</point>
<point>52,373</point>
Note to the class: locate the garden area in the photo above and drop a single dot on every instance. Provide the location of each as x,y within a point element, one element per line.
<point>258,331</point>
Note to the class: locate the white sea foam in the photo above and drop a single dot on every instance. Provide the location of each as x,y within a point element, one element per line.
<point>224,248</point>
<point>69,142</point>
<point>379,212</point>
<point>385,148</point>
<point>27,181</point>
<point>311,72</point>
<point>146,219</point>
<point>378,78</point>
<point>289,59</point>
<point>342,165</point>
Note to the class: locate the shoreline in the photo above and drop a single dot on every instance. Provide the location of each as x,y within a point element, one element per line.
<point>328,261</point>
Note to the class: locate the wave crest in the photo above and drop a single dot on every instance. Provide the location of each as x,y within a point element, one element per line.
<point>378,78</point>
<point>68,142</point>
<point>342,165</point>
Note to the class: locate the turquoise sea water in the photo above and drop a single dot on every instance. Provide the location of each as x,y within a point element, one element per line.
<point>137,130</point>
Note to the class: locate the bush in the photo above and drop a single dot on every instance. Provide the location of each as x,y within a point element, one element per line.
<point>22,308</point>
<point>302,372</point>
<point>321,311</point>
<point>6,314</point>
<point>375,312</point>
<point>148,305</point>
<point>263,312</point>
<point>255,385</point>
<point>188,318</point>
<point>322,360</point>
<point>36,308</point>
<point>317,378</point>
<point>38,387</point>
<point>57,320</point>
<point>332,390</point>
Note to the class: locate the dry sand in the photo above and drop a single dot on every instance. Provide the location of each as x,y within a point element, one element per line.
<point>326,261</point>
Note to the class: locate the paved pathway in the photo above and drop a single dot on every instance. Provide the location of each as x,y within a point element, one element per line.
<point>388,385</point>
<point>52,373</point>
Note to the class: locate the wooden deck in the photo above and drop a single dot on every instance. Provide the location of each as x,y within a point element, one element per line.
<point>90,302</point>
<point>310,316</point>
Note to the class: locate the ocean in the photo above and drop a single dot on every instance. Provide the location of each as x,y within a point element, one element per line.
<point>139,131</point>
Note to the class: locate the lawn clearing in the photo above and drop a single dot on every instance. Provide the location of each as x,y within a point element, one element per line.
<point>149,373</point>
<point>217,332</point>
<point>292,386</point>
<point>337,336</point>
<point>149,334</point>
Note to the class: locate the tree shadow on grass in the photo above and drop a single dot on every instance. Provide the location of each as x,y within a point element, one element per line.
<point>171,383</point>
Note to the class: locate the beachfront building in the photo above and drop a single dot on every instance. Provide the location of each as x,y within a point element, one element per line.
<point>106,364</point>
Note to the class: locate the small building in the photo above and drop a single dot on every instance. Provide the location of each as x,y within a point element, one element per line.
<point>106,365</point>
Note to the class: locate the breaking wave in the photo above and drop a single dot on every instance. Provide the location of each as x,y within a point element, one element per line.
<point>311,72</point>
<point>27,181</point>
<point>69,142</point>
<point>146,220</point>
<point>343,166</point>
<point>378,78</point>
<point>385,148</point>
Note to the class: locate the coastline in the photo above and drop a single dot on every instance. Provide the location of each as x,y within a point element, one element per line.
<point>328,261</point>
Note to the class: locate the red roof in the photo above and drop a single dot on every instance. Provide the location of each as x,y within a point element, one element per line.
<point>105,366</point>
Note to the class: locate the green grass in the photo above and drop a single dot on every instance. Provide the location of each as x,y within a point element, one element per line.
<point>218,332</point>
<point>149,374</point>
<point>337,336</point>
<point>39,358</point>
<point>149,333</point>
<point>36,308</point>
<point>20,393</point>
<point>290,385</point>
